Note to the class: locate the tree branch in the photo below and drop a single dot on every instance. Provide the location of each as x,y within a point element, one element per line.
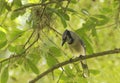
<point>74,60</point>
<point>36,4</point>
<point>54,29</point>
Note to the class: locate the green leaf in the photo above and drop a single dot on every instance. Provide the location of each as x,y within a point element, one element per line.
<point>68,71</point>
<point>55,51</point>
<point>84,11</point>
<point>74,1</point>
<point>3,29</point>
<point>15,33</point>
<point>26,66</point>
<point>62,16</point>
<point>63,22</point>
<point>2,6</point>
<point>102,20</point>
<point>2,36</point>
<point>93,20</point>
<point>89,25</point>
<point>17,3</point>
<point>66,16</point>
<point>3,40</point>
<point>94,32</point>
<point>8,7</point>
<point>58,4</point>
<point>42,1</point>
<point>89,47</point>
<point>35,55</point>
<point>2,44</point>
<point>18,49</point>
<point>86,39</point>
<point>11,48</point>
<point>51,61</point>
<point>4,75</point>
<point>95,72</point>
<point>71,10</point>
<point>106,10</point>
<point>33,66</point>
<point>81,80</point>
<point>15,14</point>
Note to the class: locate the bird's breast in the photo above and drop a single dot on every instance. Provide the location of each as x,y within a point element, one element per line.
<point>77,49</point>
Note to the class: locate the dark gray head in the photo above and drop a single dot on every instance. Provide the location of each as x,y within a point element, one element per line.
<point>66,37</point>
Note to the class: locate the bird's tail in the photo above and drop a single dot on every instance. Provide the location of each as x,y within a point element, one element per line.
<point>85,68</point>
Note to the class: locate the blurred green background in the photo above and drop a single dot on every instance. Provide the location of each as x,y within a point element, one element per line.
<point>30,39</point>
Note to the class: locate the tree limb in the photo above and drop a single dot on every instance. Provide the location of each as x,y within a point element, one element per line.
<point>36,4</point>
<point>74,60</point>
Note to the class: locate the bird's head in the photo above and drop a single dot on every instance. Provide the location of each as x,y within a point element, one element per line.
<point>67,37</point>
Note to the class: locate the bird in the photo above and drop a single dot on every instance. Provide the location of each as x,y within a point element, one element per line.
<point>77,47</point>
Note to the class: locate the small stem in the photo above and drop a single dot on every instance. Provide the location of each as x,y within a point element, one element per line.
<point>29,38</point>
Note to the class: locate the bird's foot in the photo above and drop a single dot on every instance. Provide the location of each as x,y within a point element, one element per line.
<point>81,56</point>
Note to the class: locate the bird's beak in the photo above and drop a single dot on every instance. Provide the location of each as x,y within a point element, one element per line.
<point>63,42</point>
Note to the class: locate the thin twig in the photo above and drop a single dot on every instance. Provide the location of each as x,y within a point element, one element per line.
<point>42,12</point>
<point>75,60</point>
<point>16,56</point>
<point>53,29</point>
<point>29,38</point>
<point>67,5</point>
<point>32,43</point>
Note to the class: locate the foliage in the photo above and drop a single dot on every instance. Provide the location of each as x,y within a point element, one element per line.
<point>30,39</point>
